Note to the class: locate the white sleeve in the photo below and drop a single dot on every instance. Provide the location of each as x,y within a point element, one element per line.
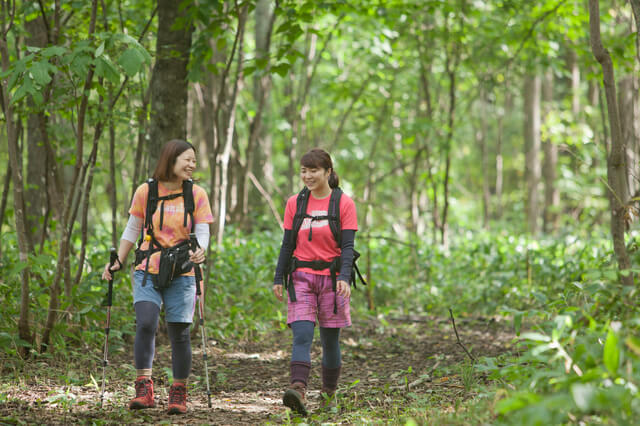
<point>202,234</point>
<point>132,231</point>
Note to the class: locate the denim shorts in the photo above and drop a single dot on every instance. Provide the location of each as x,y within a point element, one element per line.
<point>315,298</point>
<point>179,298</point>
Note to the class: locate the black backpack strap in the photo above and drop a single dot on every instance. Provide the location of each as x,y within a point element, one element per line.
<point>152,203</point>
<point>334,215</point>
<point>189,203</point>
<point>301,213</point>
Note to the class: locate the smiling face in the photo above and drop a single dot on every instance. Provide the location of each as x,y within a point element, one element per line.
<point>315,178</point>
<point>185,165</point>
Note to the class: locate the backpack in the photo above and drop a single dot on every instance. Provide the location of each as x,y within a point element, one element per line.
<point>333,217</point>
<point>173,260</point>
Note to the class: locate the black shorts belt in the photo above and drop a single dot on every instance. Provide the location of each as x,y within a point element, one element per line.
<point>316,265</point>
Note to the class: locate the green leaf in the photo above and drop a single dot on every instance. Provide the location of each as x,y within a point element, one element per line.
<point>221,43</point>
<point>249,70</point>
<point>99,50</point>
<point>536,337</point>
<point>40,73</point>
<point>611,353</point>
<point>633,343</point>
<point>583,395</point>
<point>104,68</point>
<point>281,69</point>
<point>131,61</point>
<point>37,97</point>
<point>53,51</point>
<point>516,402</point>
<point>23,90</point>
<point>517,322</point>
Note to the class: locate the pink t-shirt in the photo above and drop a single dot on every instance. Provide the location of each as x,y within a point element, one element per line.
<point>173,231</point>
<point>322,245</point>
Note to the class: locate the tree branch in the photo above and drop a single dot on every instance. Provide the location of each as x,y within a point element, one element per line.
<point>267,197</point>
<point>458,337</point>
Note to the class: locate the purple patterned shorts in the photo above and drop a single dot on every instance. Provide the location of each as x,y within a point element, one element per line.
<point>315,299</point>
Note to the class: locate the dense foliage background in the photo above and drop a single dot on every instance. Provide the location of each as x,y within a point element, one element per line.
<point>476,137</point>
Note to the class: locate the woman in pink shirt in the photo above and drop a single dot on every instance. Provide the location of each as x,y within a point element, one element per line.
<point>319,271</point>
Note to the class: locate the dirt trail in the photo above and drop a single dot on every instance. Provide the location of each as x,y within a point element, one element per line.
<point>379,358</point>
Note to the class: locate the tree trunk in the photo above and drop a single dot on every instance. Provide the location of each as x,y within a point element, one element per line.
<point>5,199</point>
<point>452,61</point>
<point>139,163</point>
<point>24,330</point>
<point>68,216</point>
<point>265,20</point>
<point>574,69</point>
<point>258,144</point>
<point>449,140</point>
<point>551,195</point>
<point>635,136</point>
<point>368,196</point>
<point>616,169</point>
<point>627,111</point>
<point>499,160</point>
<point>169,85</point>
<point>86,195</point>
<point>635,6</point>
<point>230,129</point>
<point>532,149</point>
<point>36,190</point>
<point>481,140</point>
<point>296,111</point>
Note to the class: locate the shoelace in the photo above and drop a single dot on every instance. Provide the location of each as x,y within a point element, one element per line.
<point>178,395</point>
<point>142,388</point>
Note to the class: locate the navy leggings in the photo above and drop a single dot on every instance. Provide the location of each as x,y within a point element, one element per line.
<point>303,337</point>
<point>147,315</point>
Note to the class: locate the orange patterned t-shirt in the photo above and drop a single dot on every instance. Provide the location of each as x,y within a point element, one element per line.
<point>173,231</point>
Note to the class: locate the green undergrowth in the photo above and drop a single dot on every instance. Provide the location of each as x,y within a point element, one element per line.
<point>576,357</point>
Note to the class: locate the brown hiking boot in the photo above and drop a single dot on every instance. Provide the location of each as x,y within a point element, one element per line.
<point>330,378</point>
<point>177,399</point>
<point>144,394</point>
<point>294,398</point>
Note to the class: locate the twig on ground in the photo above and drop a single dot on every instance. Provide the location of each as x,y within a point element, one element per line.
<point>458,337</point>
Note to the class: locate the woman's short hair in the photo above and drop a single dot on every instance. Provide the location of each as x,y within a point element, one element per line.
<point>170,151</point>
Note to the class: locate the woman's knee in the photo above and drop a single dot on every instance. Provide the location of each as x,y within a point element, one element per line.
<point>302,333</point>
<point>179,332</point>
<point>147,314</point>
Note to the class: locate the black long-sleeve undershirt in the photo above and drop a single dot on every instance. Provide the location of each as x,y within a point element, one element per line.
<point>348,237</point>
<point>284,257</point>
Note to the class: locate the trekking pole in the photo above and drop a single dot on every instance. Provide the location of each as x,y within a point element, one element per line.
<point>112,260</point>
<point>199,295</point>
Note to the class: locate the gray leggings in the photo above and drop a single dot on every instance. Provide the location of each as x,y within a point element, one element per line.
<point>147,315</point>
<point>303,337</point>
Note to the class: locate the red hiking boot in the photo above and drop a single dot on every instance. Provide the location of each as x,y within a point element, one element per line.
<point>144,394</point>
<point>177,399</point>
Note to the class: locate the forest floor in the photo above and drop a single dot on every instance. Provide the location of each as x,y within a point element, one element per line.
<point>387,365</point>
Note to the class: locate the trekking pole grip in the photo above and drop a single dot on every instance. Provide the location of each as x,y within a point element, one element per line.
<point>113,257</point>
<point>198,270</point>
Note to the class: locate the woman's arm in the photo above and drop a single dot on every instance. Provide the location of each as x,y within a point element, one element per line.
<point>348,236</point>
<point>284,257</point>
